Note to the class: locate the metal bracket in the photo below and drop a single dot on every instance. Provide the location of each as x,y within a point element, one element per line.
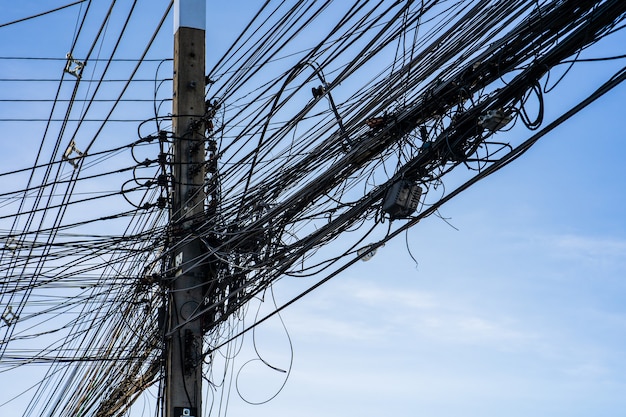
<point>68,152</point>
<point>12,244</point>
<point>77,71</point>
<point>9,316</point>
<point>178,264</point>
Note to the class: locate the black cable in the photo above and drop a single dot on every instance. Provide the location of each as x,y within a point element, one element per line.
<point>41,14</point>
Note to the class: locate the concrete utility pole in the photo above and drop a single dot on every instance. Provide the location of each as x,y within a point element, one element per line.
<point>183,391</point>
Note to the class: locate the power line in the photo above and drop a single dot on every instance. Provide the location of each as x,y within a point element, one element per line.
<point>41,14</point>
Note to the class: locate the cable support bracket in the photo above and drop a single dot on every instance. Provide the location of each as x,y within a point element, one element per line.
<point>12,244</point>
<point>77,70</point>
<point>9,317</point>
<point>69,151</point>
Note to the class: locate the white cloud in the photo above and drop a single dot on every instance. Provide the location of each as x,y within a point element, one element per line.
<point>588,370</point>
<point>594,250</point>
<point>366,311</point>
<point>376,295</point>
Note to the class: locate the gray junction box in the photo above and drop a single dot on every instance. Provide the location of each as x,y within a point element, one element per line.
<point>402,199</point>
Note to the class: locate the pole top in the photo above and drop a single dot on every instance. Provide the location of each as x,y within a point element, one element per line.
<point>189,14</point>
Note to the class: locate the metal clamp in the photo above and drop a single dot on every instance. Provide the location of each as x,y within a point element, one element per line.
<point>69,151</point>
<point>9,316</point>
<point>77,71</point>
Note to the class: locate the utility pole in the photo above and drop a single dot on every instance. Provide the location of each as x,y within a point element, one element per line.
<point>183,391</point>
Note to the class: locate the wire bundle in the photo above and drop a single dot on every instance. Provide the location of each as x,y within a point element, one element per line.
<point>315,111</point>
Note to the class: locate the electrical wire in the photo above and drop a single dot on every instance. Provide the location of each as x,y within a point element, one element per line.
<point>313,114</point>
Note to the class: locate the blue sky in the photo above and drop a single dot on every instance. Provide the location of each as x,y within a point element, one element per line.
<point>516,310</point>
<point>515,305</point>
<point>519,312</point>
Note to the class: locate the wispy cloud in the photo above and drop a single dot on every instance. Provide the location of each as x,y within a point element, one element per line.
<point>416,300</point>
<point>590,249</point>
<point>376,313</point>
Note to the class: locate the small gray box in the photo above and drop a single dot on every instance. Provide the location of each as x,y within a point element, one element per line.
<point>402,199</point>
